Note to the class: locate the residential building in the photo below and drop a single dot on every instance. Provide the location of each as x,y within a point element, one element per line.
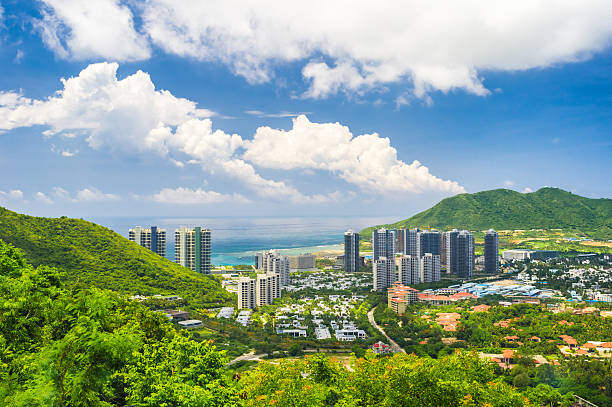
<point>516,254</point>
<point>430,268</point>
<point>267,288</point>
<point>465,254</point>
<point>192,248</point>
<point>491,252</point>
<point>302,262</point>
<point>383,247</point>
<point>428,242</point>
<point>273,262</point>
<point>246,293</point>
<point>351,252</point>
<point>409,270</point>
<point>152,238</point>
<point>450,251</point>
<point>258,261</point>
<point>382,276</point>
<point>399,240</point>
<point>409,241</point>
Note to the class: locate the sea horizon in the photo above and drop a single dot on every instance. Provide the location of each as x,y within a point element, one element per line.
<point>235,240</point>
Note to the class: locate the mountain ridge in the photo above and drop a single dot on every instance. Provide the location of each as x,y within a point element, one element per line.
<point>504,209</point>
<point>92,255</point>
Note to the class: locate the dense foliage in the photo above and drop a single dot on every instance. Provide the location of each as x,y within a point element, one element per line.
<point>505,209</point>
<point>69,346</point>
<point>94,256</point>
<point>88,347</point>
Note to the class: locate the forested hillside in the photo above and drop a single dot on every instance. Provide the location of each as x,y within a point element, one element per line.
<point>94,256</point>
<point>504,209</point>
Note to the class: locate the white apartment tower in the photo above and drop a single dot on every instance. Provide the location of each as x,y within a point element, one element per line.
<point>246,293</point>
<point>272,262</point>
<point>409,270</point>
<point>430,268</point>
<point>192,248</point>
<point>380,270</point>
<point>383,248</point>
<point>267,288</point>
<point>152,238</point>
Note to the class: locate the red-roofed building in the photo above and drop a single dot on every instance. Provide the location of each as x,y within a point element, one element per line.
<point>481,308</point>
<point>381,348</point>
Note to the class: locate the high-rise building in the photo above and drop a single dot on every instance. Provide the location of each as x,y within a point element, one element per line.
<point>273,262</point>
<point>246,293</point>
<point>428,242</point>
<point>258,261</point>
<point>491,252</point>
<point>302,262</point>
<point>430,268</point>
<point>351,252</point>
<point>410,241</point>
<point>380,270</point>
<point>409,270</point>
<point>267,288</point>
<point>465,254</point>
<point>399,240</point>
<point>152,238</point>
<point>450,251</point>
<point>192,248</point>
<point>383,246</point>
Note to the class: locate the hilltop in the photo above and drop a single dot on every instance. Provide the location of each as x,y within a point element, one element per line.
<point>91,255</point>
<point>503,209</point>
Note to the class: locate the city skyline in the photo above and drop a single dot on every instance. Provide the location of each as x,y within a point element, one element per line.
<point>158,124</point>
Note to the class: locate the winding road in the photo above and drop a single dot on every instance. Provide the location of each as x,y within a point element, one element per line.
<point>394,346</point>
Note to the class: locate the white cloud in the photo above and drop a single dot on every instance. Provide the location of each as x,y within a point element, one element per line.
<point>77,29</point>
<point>259,113</point>
<point>435,46</point>
<point>90,194</point>
<point>41,197</point>
<point>187,196</point>
<point>68,153</point>
<point>131,116</point>
<point>18,56</point>
<point>368,161</point>
<point>527,190</point>
<point>508,183</point>
<point>13,194</point>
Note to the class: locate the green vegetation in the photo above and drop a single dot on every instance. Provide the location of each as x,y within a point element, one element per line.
<point>69,346</point>
<point>63,346</point>
<point>90,255</point>
<point>503,209</point>
<point>527,329</point>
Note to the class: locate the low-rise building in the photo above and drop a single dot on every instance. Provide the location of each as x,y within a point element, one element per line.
<point>191,324</point>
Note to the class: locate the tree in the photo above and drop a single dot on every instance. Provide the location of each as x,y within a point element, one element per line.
<point>521,380</point>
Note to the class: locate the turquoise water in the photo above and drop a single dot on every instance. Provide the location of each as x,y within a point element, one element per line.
<point>236,239</point>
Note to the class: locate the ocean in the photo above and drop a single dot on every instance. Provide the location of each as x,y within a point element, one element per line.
<point>234,240</point>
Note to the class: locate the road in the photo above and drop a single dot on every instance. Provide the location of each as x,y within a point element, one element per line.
<point>394,346</point>
<point>247,356</point>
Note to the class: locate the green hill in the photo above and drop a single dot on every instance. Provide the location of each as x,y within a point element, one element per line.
<point>503,209</point>
<point>92,255</point>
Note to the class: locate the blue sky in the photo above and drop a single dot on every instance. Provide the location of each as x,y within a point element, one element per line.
<point>484,98</point>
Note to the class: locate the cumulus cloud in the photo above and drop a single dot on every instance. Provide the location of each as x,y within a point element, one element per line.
<point>77,29</point>
<point>130,115</point>
<point>90,194</point>
<point>527,190</point>
<point>368,161</point>
<point>508,183</point>
<point>41,197</point>
<point>13,194</point>
<point>188,196</point>
<point>435,46</point>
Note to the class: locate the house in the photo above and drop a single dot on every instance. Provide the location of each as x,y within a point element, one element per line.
<point>191,324</point>
<point>570,341</point>
<point>381,348</point>
<point>511,338</point>
<point>481,308</point>
<point>176,314</point>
